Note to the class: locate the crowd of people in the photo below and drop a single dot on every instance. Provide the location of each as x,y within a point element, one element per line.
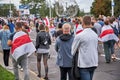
<point>81,35</point>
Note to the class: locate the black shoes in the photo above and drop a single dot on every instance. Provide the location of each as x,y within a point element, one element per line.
<point>38,76</point>
<point>46,78</point>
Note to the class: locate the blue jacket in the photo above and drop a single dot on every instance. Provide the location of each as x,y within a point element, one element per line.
<point>63,47</point>
<point>11,27</point>
<point>4,36</point>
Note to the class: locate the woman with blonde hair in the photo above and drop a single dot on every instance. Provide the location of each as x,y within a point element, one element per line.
<point>4,36</point>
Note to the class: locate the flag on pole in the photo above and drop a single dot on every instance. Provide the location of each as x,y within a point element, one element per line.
<point>21,45</point>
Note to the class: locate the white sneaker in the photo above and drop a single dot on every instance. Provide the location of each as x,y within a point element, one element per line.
<point>21,69</point>
<point>9,67</point>
<point>19,66</point>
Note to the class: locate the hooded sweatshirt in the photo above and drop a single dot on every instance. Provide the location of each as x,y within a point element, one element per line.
<point>63,47</point>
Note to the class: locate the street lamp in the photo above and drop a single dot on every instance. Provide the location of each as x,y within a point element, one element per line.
<point>112,5</point>
<point>50,9</point>
<point>10,11</point>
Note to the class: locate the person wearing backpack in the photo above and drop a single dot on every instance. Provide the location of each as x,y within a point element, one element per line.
<point>108,38</point>
<point>43,41</point>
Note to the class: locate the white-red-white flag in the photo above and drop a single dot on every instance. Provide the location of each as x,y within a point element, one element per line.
<point>21,45</point>
<point>46,21</point>
<point>79,28</point>
<point>107,34</point>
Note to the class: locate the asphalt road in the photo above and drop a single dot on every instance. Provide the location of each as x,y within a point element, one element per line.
<point>103,72</point>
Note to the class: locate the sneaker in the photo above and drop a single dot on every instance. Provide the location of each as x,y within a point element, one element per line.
<point>19,66</point>
<point>21,69</point>
<point>114,59</point>
<point>38,76</point>
<point>9,67</point>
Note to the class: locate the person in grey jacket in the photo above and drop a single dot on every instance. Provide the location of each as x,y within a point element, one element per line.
<point>43,41</point>
<point>63,47</point>
<point>86,44</point>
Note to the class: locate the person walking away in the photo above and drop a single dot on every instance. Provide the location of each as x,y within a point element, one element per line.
<point>63,48</point>
<point>43,41</point>
<point>86,44</point>
<point>4,36</point>
<point>98,28</point>
<point>59,30</point>
<point>113,56</point>
<point>108,38</point>
<point>21,48</point>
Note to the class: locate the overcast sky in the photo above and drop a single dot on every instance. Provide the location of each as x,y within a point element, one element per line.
<point>83,4</point>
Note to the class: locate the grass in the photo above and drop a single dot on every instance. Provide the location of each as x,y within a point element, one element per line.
<point>5,75</point>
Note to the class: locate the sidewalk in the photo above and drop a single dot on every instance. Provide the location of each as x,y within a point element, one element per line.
<point>31,73</point>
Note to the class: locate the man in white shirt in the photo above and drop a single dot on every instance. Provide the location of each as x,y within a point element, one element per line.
<point>86,43</point>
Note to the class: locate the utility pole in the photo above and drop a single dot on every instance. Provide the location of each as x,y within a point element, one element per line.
<point>50,9</point>
<point>112,5</point>
<point>10,11</point>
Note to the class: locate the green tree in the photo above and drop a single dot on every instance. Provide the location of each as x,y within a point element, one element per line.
<point>101,7</point>
<point>5,8</point>
<point>80,13</point>
<point>117,8</point>
<point>42,9</point>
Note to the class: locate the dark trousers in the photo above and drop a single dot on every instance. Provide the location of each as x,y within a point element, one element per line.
<point>108,49</point>
<point>64,71</point>
<point>6,54</point>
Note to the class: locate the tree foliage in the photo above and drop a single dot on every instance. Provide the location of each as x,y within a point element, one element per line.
<point>117,8</point>
<point>101,7</point>
<point>5,10</point>
<point>42,10</point>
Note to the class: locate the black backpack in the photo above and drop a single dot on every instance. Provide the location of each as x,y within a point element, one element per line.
<point>115,30</point>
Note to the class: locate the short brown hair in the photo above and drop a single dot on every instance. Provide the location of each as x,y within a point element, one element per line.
<point>41,27</point>
<point>18,25</point>
<point>87,20</point>
<point>106,21</point>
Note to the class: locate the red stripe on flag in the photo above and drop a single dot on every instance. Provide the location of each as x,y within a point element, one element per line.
<point>20,41</point>
<point>77,25</point>
<point>46,21</point>
<point>79,31</point>
<point>106,32</point>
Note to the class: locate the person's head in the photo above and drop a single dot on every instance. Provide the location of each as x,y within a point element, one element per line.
<point>86,22</point>
<point>5,27</point>
<point>42,27</point>
<point>107,21</point>
<point>60,25</point>
<point>66,28</point>
<point>18,25</point>
<point>111,20</point>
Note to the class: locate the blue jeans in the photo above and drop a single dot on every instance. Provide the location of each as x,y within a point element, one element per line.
<point>87,73</point>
